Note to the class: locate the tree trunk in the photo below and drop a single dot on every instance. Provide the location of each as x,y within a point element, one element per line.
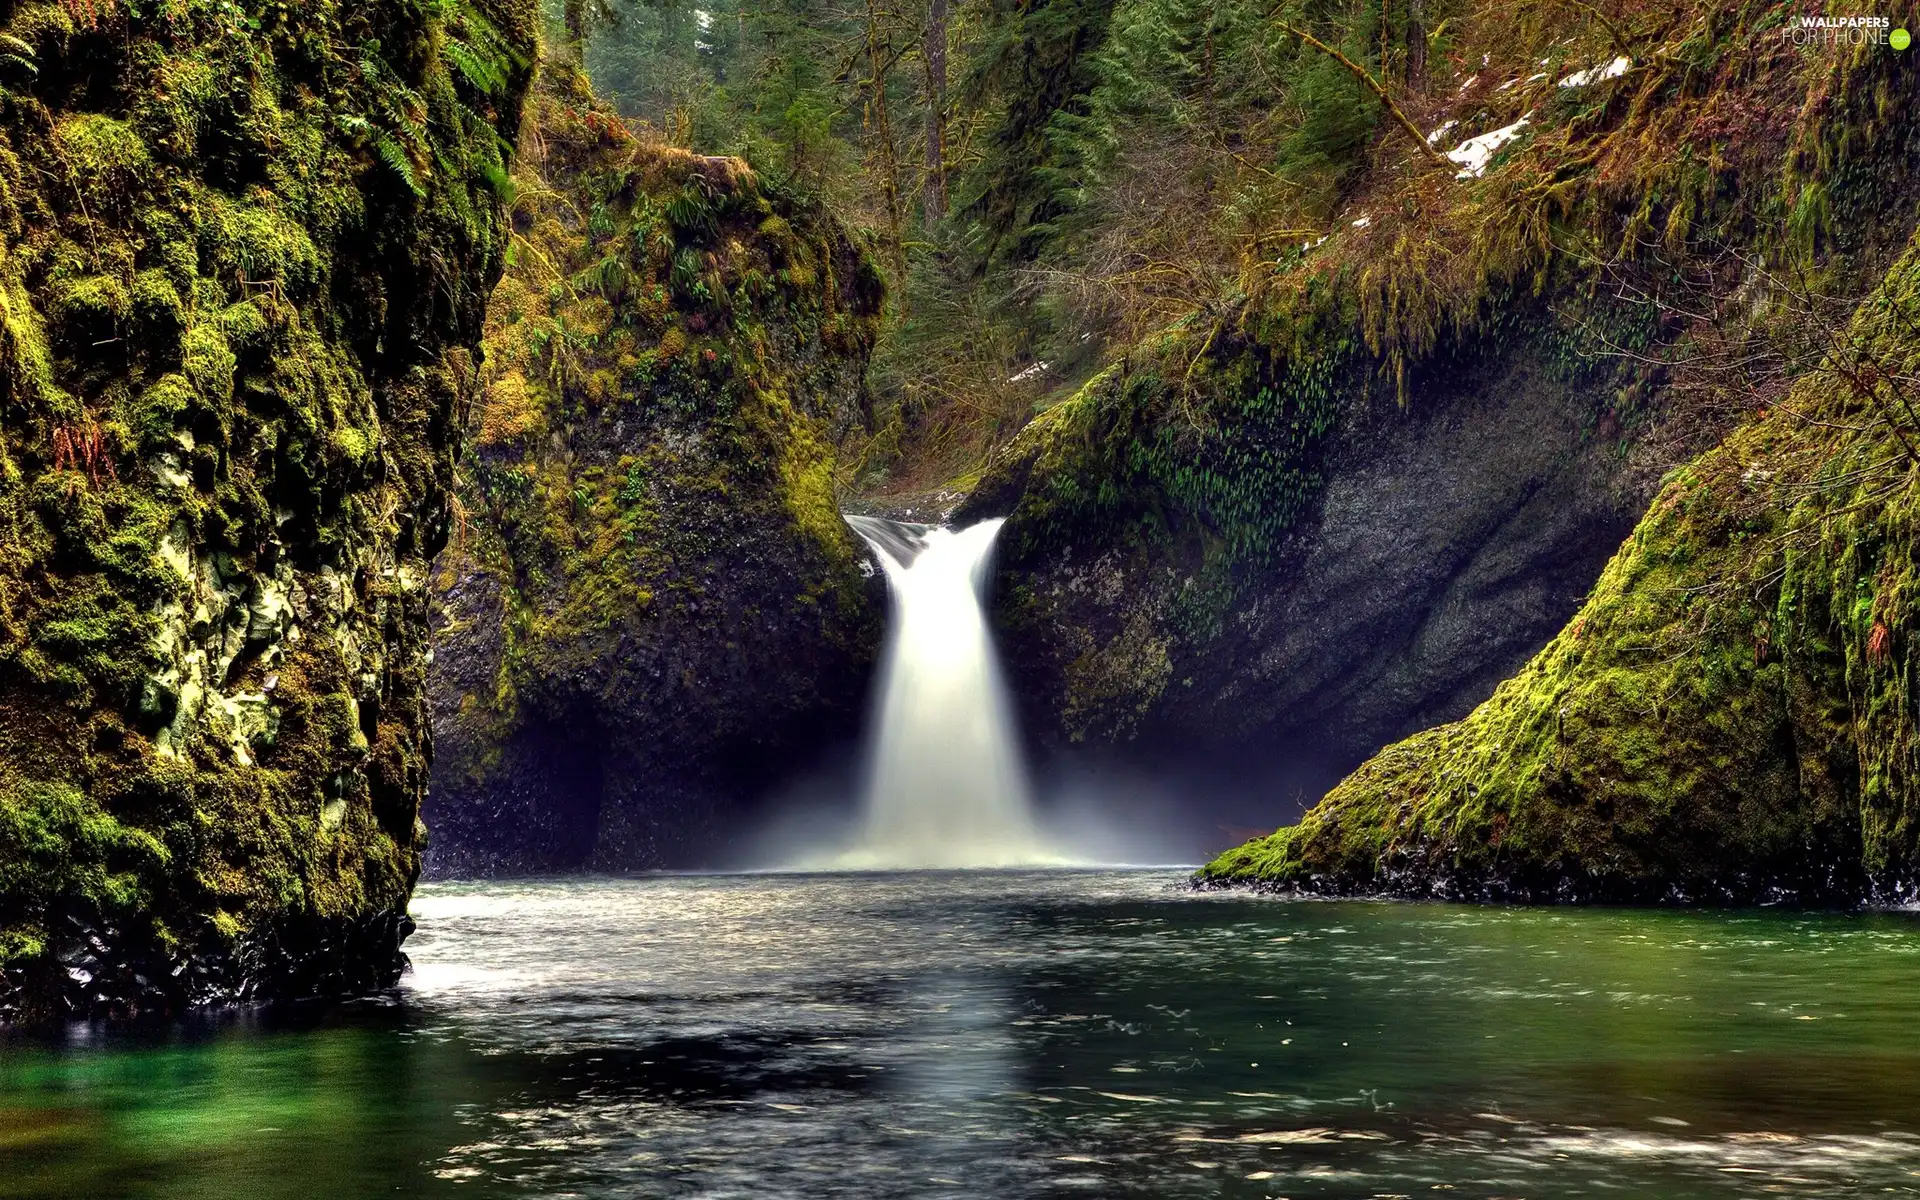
<point>933,52</point>
<point>877,63</point>
<point>1416,44</point>
<point>573,19</point>
<point>1386,40</point>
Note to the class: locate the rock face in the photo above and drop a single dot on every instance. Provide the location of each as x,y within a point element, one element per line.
<point>242,262</point>
<point>653,606</point>
<point>1453,536</point>
<point>1342,506</point>
<point>1438,540</point>
<point>1730,716</point>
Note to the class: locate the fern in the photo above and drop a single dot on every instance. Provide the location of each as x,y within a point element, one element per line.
<point>487,75</point>
<point>500,182</point>
<point>688,268</point>
<point>396,128</point>
<point>18,57</point>
<point>690,212</point>
<point>609,277</point>
<point>395,156</point>
<point>476,50</point>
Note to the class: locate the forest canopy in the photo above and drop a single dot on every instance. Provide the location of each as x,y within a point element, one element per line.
<point>1042,180</point>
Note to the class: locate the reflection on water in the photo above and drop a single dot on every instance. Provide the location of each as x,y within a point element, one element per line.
<point>1020,1034</point>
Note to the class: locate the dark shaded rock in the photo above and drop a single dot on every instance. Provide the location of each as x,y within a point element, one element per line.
<point>99,968</point>
<point>1440,537</point>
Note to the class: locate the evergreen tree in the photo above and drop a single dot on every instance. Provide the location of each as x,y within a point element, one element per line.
<point>1035,63</point>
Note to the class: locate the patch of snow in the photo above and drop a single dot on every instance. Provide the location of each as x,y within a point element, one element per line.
<point>1536,78</point>
<point>1363,222</point>
<point>1509,83</point>
<point>1433,139</point>
<point>1032,372</point>
<point>1612,70</point>
<point>1471,80</point>
<point>1474,153</point>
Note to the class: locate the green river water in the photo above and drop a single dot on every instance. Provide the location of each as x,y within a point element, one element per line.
<point>1015,1034</point>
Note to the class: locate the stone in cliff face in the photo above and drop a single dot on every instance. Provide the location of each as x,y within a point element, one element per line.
<point>1730,716</point>
<point>242,254</point>
<point>653,606</point>
<point>1454,535</point>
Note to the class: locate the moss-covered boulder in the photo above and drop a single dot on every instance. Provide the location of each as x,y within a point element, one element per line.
<point>1731,715</point>
<point>652,606</point>
<point>244,253</point>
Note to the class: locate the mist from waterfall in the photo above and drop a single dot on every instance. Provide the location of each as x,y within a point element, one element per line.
<point>945,786</point>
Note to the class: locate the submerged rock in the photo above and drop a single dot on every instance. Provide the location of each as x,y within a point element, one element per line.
<point>243,261</point>
<point>653,607</point>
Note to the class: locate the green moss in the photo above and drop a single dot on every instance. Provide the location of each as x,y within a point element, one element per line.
<point>259,241</point>
<point>208,361</point>
<point>59,849</point>
<point>157,305</point>
<point>105,157</point>
<point>91,306</point>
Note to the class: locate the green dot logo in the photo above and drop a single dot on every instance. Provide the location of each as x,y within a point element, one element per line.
<point>1899,39</point>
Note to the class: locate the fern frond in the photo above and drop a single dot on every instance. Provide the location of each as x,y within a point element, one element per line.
<point>478,52</point>
<point>395,156</point>
<point>487,75</point>
<point>609,277</point>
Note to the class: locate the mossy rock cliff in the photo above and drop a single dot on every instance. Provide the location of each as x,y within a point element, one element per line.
<point>245,251</point>
<point>1731,715</point>
<point>1308,560</point>
<point>652,607</point>
<point>1342,506</point>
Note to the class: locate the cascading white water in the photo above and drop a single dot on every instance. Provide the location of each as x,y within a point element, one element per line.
<point>946,786</point>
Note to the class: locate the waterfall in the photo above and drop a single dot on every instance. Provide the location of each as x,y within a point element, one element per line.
<point>945,783</point>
